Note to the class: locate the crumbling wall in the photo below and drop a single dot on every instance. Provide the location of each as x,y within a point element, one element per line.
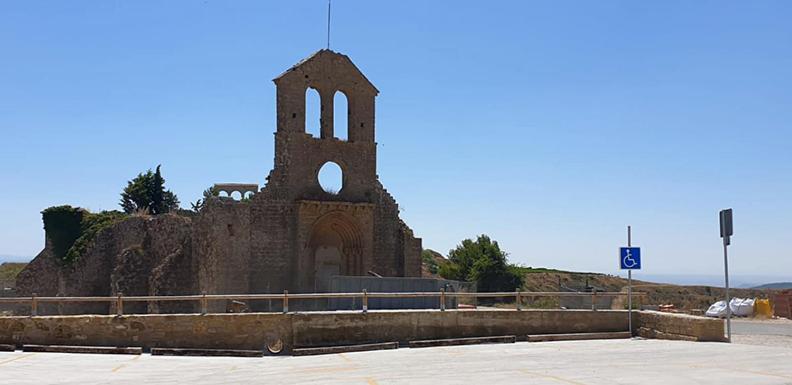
<point>135,256</point>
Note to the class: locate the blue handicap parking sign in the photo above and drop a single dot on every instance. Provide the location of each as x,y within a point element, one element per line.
<point>630,258</point>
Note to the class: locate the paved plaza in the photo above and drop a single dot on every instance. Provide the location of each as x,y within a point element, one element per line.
<point>575,362</point>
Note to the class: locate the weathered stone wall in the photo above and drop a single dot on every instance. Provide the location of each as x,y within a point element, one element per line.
<point>222,238</point>
<point>138,256</point>
<point>272,235</point>
<point>239,331</point>
<point>670,326</point>
<point>256,330</point>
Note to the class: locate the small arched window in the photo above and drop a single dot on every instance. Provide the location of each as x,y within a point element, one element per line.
<point>313,113</point>
<point>340,116</point>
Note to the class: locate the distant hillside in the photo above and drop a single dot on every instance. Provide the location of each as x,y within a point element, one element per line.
<point>776,285</point>
<point>550,280</point>
<point>9,270</point>
<point>8,273</point>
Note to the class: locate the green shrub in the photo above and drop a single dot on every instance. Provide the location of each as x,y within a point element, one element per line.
<point>63,225</point>
<point>482,261</point>
<point>146,193</point>
<point>91,225</point>
<point>71,229</point>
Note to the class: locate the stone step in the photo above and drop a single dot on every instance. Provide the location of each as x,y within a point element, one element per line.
<point>577,336</point>
<point>344,349</point>
<point>82,349</point>
<point>463,341</point>
<point>205,352</point>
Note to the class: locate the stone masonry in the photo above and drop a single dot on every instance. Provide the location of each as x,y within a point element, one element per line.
<point>291,235</point>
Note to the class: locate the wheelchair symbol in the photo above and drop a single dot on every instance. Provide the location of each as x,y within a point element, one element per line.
<point>629,261</point>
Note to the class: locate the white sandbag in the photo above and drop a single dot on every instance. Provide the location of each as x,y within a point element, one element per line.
<point>718,309</point>
<point>742,307</point>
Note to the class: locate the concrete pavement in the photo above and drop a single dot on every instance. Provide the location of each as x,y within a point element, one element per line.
<point>774,332</point>
<point>776,327</point>
<point>572,362</point>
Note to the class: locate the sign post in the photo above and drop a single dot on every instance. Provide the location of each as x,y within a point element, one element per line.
<point>726,231</point>
<point>629,259</point>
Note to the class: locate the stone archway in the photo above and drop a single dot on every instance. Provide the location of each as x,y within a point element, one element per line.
<point>335,248</point>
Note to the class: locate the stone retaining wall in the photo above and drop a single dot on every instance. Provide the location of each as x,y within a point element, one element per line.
<point>258,330</point>
<point>670,326</point>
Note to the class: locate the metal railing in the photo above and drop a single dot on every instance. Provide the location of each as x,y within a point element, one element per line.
<point>364,295</point>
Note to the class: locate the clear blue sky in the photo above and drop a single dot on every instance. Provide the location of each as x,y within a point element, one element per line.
<point>548,125</point>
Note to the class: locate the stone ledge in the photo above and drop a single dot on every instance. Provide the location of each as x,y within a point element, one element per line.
<point>7,348</point>
<point>344,349</point>
<point>82,349</point>
<point>578,336</point>
<point>205,352</point>
<point>463,341</point>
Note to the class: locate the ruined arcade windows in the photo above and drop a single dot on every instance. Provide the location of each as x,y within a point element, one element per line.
<point>336,125</point>
<point>331,178</point>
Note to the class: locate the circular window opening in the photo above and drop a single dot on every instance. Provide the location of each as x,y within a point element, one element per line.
<point>331,178</point>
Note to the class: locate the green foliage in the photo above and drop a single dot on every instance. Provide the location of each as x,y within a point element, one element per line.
<point>429,261</point>
<point>451,271</point>
<point>482,261</point>
<point>207,194</point>
<point>147,193</point>
<point>63,225</point>
<point>71,229</point>
<point>91,225</point>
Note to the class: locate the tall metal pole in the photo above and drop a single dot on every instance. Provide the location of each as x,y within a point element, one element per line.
<point>328,24</point>
<point>629,284</point>
<point>728,305</point>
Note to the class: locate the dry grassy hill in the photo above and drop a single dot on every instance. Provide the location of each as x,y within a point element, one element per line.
<point>682,297</point>
<point>8,273</point>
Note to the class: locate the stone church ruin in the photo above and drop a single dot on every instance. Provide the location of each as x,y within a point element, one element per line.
<point>289,235</point>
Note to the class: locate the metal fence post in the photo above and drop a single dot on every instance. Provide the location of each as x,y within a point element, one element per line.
<point>365,301</point>
<point>119,304</point>
<point>442,299</point>
<point>518,301</point>
<point>204,303</point>
<point>33,305</point>
<point>285,301</point>
<point>594,300</point>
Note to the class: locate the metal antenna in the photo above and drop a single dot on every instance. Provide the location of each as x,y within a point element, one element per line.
<point>328,24</point>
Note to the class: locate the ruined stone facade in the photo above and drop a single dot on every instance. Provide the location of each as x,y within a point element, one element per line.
<point>291,235</point>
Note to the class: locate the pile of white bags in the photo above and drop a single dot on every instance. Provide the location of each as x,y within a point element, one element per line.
<point>740,307</point>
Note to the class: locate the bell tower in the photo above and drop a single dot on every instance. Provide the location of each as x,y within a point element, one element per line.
<point>299,156</point>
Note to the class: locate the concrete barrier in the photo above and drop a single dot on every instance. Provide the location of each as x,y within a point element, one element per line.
<point>257,331</point>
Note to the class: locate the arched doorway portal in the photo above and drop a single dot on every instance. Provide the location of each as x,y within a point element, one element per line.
<point>335,248</point>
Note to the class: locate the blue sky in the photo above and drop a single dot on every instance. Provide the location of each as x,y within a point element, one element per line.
<point>548,125</point>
